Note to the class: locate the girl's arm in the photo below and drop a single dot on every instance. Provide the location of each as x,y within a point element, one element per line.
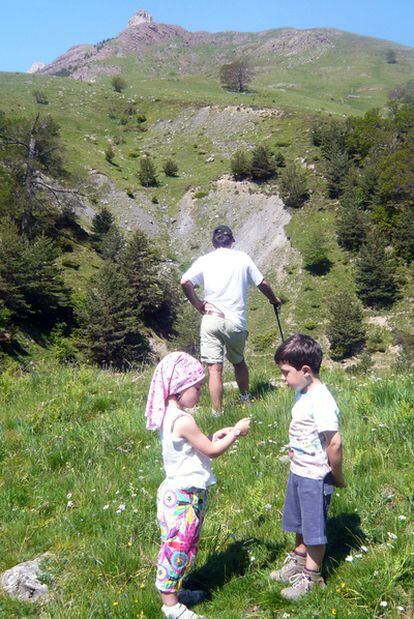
<point>334,452</point>
<point>186,427</point>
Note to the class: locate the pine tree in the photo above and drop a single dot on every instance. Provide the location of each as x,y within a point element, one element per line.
<point>101,222</point>
<point>403,235</point>
<point>140,264</point>
<point>315,251</point>
<point>262,166</point>
<point>112,243</point>
<point>170,167</point>
<point>345,330</point>
<point>376,279</point>
<point>293,186</point>
<point>336,165</point>
<point>111,333</point>
<point>351,226</point>
<point>147,174</point>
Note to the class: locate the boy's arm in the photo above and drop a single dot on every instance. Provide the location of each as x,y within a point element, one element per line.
<point>334,453</point>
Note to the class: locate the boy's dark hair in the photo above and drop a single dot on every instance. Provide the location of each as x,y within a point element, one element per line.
<point>299,350</point>
<point>222,237</point>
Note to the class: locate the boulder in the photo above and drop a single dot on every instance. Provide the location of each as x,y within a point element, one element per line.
<point>23,580</point>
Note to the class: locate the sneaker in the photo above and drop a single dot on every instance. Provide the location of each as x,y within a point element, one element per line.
<point>292,565</point>
<point>179,611</point>
<point>191,598</point>
<point>215,413</point>
<point>301,584</point>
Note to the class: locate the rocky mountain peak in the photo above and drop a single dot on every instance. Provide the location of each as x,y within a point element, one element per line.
<point>36,67</point>
<point>140,17</point>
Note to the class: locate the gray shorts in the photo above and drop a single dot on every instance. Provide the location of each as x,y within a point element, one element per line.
<point>219,336</point>
<point>305,510</point>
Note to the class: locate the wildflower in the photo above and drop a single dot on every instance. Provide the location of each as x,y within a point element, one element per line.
<point>252,558</point>
<point>402,518</point>
<point>343,585</point>
<point>401,609</point>
<point>105,507</point>
<point>142,586</point>
<point>392,535</point>
<point>70,504</point>
<point>384,604</point>
<point>349,558</point>
<point>115,603</point>
<point>268,506</point>
<point>121,508</point>
<point>334,611</point>
<point>69,495</point>
<point>364,549</point>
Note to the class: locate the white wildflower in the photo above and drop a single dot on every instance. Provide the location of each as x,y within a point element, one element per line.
<point>70,504</point>
<point>364,549</point>
<point>384,604</point>
<point>349,558</point>
<point>402,518</point>
<point>105,507</point>
<point>392,535</point>
<point>121,508</point>
<point>69,495</point>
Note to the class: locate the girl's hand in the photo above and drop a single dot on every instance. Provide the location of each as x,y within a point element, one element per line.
<point>221,433</point>
<point>243,425</point>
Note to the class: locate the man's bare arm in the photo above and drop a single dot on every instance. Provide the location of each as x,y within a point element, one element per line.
<point>267,290</point>
<point>190,293</point>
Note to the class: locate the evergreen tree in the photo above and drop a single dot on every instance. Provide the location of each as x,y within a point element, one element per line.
<point>111,333</point>
<point>240,165</point>
<point>336,167</point>
<point>351,226</point>
<point>376,278</point>
<point>403,234</point>
<point>140,264</point>
<point>147,174</point>
<point>112,243</point>
<point>293,186</point>
<point>118,83</point>
<point>170,167</point>
<point>315,251</point>
<point>345,330</point>
<point>262,166</point>
<point>101,222</point>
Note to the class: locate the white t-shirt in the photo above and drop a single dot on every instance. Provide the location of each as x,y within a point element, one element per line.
<point>185,467</point>
<point>226,274</point>
<point>313,413</point>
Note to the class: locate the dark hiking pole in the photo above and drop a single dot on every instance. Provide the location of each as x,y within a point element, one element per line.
<point>276,308</point>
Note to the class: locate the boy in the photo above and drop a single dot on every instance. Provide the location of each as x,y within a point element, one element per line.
<point>315,451</point>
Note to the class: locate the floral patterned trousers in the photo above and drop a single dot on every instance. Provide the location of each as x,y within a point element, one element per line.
<point>180,514</point>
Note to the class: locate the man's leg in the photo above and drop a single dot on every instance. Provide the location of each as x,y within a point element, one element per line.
<point>215,385</point>
<point>241,372</point>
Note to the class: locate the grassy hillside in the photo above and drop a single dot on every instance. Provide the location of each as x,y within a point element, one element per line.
<point>88,472</point>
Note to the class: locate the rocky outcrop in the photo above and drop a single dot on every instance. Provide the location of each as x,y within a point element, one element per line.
<point>36,67</point>
<point>141,17</point>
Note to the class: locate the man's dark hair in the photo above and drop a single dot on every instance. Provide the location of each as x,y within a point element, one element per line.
<point>222,237</point>
<point>299,350</point>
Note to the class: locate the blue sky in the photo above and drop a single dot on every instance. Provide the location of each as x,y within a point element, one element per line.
<point>41,30</point>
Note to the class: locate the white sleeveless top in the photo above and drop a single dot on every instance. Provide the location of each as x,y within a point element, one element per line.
<point>185,467</point>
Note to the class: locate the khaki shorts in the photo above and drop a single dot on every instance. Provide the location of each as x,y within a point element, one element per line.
<point>219,335</point>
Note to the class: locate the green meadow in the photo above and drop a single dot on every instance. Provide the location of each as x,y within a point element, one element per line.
<point>80,473</point>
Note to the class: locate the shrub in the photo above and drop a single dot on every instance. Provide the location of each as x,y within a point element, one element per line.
<point>240,165</point>
<point>147,174</point>
<point>293,186</point>
<point>40,97</point>
<point>102,221</point>
<point>280,160</point>
<point>200,194</point>
<point>170,167</point>
<point>109,153</point>
<point>118,83</point>
<point>262,166</point>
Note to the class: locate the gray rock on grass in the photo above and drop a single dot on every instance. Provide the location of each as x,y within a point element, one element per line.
<point>23,580</point>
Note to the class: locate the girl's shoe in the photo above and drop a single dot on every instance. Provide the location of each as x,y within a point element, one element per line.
<point>179,611</point>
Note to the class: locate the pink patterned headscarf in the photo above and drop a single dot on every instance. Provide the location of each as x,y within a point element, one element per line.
<point>176,372</point>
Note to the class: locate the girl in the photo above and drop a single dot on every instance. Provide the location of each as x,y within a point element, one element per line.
<point>187,452</point>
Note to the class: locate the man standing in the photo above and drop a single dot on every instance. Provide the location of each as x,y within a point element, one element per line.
<point>225,274</point>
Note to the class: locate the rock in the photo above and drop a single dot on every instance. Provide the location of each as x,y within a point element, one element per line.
<point>210,159</point>
<point>22,580</point>
<point>36,66</point>
<point>140,17</point>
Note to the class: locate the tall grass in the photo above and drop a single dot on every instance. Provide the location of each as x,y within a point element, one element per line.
<point>79,477</point>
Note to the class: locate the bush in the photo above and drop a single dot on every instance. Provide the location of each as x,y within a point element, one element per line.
<point>170,167</point>
<point>293,186</point>
<point>315,251</point>
<point>280,160</point>
<point>40,97</point>
<point>147,174</point>
<point>262,166</point>
<point>345,330</point>
<point>240,165</point>
<point>200,194</point>
<point>109,153</point>
<point>102,221</point>
<point>118,83</point>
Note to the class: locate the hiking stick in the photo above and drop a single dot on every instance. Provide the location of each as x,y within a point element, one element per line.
<point>276,308</point>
